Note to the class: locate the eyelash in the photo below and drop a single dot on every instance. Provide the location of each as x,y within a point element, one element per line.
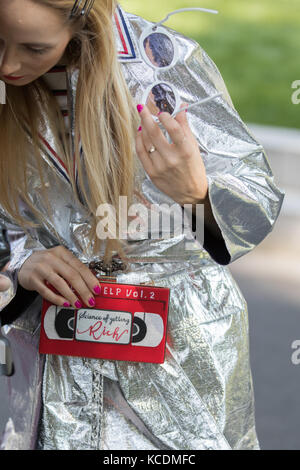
<point>37,51</point>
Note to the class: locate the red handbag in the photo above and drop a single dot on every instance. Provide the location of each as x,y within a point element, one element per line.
<point>128,323</point>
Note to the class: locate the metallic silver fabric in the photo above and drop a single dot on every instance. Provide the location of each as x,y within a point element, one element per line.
<point>201,397</point>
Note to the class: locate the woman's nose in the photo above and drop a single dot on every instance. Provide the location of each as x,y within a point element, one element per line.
<point>9,62</point>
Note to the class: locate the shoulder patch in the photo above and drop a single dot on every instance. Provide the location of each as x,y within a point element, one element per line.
<point>127,49</point>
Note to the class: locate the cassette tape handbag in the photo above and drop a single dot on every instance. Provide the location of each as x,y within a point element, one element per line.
<point>127,323</point>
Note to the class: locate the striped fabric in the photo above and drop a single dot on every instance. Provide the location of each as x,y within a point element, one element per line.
<point>57,82</point>
<point>56,79</point>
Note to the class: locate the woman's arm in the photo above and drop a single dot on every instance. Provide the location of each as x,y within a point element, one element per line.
<point>213,241</point>
<point>213,159</point>
<point>11,261</point>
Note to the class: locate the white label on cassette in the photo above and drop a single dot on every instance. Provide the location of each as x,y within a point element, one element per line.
<point>103,326</point>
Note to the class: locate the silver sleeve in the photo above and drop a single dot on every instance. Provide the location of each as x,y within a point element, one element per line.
<point>19,250</point>
<point>243,194</point>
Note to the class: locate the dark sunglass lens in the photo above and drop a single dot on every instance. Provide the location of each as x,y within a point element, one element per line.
<point>161,99</point>
<point>159,49</point>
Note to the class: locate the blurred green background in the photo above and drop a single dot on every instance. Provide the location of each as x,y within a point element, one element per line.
<point>255,44</point>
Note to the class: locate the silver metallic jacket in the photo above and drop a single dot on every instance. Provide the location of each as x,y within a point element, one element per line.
<point>201,397</point>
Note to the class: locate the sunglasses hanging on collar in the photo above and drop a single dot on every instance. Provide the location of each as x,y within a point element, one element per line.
<point>159,49</point>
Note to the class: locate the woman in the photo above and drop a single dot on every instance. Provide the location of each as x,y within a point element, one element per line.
<point>201,397</point>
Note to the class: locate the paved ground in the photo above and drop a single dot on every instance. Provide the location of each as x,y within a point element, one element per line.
<point>269,278</point>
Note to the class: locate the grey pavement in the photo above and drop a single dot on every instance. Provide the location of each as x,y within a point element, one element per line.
<point>283,151</point>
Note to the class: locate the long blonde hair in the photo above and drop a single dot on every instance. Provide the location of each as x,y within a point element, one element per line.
<point>106,119</point>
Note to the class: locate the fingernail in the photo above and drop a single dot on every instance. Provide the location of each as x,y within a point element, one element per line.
<point>140,108</point>
<point>139,129</point>
<point>92,302</point>
<point>66,304</point>
<point>97,290</point>
<point>78,304</point>
<point>160,112</point>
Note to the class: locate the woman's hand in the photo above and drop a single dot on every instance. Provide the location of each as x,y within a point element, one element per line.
<point>59,267</point>
<point>5,283</point>
<point>5,290</point>
<point>177,169</point>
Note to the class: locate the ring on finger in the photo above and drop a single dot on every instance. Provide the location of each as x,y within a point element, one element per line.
<point>152,149</point>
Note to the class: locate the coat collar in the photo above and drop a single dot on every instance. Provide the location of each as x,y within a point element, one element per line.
<point>126,44</point>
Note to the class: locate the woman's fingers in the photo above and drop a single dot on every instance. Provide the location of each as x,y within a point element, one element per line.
<point>153,135</point>
<point>66,270</point>
<point>152,161</point>
<point>86,274</point>
<point>5,283</point>
<point>176,167</point>
<point>143,154</point>
<point>74,282</point>
<point>150,135</point>
<point>68,296</point>
<point>177,128</point>
<point>167,154</point>
<point>49,295</point>
<point>74,279</point>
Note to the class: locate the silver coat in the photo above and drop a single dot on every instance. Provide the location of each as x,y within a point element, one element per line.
<point>201,397</point>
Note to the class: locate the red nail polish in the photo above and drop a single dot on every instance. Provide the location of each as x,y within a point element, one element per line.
<point>139,129</point>
<point>92,302</point>
<point>78,304</point>
<point>66,304</point>
<point>140,108</point>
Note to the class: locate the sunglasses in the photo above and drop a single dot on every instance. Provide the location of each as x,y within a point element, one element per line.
<point>159,49</point>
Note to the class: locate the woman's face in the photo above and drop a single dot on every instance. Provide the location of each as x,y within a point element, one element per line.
<point>33,39</point>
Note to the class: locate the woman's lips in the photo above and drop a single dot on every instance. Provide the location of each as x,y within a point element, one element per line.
<point>7,77</point>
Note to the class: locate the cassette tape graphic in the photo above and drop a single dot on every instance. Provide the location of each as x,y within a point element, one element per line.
<point>128,323</point>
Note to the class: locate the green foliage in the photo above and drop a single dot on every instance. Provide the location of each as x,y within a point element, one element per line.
<point>255,44</point>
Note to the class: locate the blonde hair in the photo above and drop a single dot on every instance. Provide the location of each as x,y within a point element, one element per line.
<point>106,119</point>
